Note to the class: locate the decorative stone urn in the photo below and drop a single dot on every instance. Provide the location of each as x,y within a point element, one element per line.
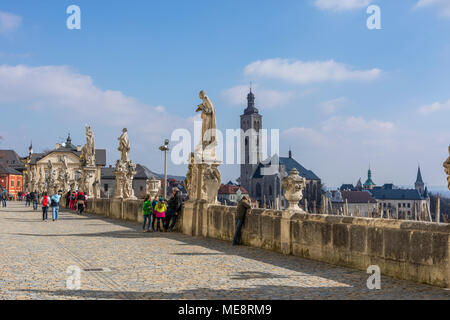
<point>153,186</point>
<point>293,186</point>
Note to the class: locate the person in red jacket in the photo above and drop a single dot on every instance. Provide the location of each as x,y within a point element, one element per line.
<point>45,205</point>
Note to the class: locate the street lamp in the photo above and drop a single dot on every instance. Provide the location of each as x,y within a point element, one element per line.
<point>165,148</point>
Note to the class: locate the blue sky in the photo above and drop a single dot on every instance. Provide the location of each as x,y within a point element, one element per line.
<point>343,96</point>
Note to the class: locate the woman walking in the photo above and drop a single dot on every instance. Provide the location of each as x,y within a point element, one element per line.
<point>160,212</point>
<point>45,204</point>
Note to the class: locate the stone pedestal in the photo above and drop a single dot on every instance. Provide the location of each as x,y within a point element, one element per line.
<point>124,172</point>
<point>88,177</point>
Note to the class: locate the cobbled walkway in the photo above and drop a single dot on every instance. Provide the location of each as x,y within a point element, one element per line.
<point>35,255</point>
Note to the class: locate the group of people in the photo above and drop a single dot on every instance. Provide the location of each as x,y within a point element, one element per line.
<point>77,201</point>
<point>163,213</point>
<point>74,200</point>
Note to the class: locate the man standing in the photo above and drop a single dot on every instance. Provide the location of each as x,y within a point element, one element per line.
<point>174,209</point>
<point>56,198</point>
<point>28,199</point>
<point>242,209</point>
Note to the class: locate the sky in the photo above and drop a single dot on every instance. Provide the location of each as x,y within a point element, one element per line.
<point>343,96</point>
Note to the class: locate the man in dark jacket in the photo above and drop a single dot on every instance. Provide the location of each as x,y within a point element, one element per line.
<point>173,209</point>
<point>35,199</point>
<point>242,209</point>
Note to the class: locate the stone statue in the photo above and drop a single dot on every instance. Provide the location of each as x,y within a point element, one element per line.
<point>88,152</point>
<point>293,186</point>
<point>190,183</point>
<point>51,178</point>
<point>447,168</point>
<point>124,146</point>
<point>125,169</point>
<point>208,140</point>
<point>211,182</point>
<point>41,182</point>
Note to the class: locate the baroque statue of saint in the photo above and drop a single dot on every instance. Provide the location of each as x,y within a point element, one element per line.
<point>208,139</point>
<point>124,146</point>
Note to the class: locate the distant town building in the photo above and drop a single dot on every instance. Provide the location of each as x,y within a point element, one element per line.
<point>37,163</point>
<point>391,201</point>
<point>354,203</point>
<point>230,194</point>
<point>11,180</point>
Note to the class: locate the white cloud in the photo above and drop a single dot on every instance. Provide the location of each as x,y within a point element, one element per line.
<point>442,5</point>
<point>62,91</point>
<point>300,72</point>
<point>331,106</point>
<point>9,22</point>
<point>435,107</point>
<point>340,5</point>
<point>340,149</point>
<point>265,98</point>
<point>337,130</point>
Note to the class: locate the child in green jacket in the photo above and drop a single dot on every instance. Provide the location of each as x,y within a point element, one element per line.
<point>147,211</point>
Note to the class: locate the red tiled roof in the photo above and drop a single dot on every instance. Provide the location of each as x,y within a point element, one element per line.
<point>358,197</point>
<point>228,189</point>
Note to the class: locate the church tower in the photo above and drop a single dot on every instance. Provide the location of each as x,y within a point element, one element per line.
<point>251,125</point>
<point>419,185</point>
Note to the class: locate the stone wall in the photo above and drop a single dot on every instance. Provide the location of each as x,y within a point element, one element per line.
<point>408,250</point>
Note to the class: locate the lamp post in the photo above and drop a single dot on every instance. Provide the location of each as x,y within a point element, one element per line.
<point>165,148</point>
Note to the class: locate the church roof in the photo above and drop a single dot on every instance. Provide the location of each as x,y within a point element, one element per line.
<point>144,173</point>
<point>358,197</point>
<point>289,164</point>
<point>396,194</point>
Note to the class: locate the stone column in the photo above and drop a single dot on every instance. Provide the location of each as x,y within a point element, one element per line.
<point>438,210</point>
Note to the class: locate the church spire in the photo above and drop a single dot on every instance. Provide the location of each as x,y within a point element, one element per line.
<point>250,102</point>
<point>419,176</point>
<point>419,185</point>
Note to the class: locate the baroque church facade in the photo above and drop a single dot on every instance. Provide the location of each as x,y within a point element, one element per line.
<point>257,175</point>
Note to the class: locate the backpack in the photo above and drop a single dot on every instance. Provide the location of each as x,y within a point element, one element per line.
<point>45,202</point>
<point>53,203</point>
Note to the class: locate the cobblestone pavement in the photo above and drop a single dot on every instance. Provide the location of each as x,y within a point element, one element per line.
<point>35,255</point>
